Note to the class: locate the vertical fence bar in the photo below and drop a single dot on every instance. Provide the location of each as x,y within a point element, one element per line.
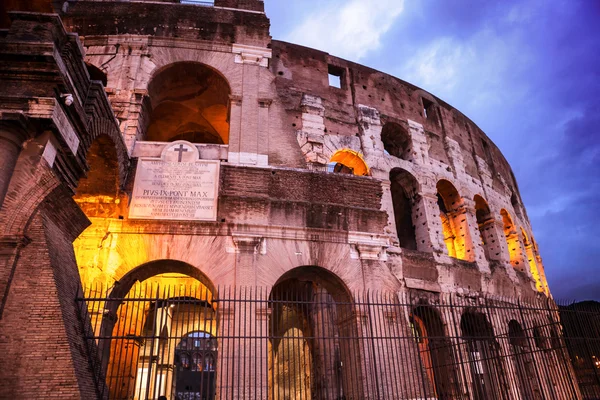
<point>302,343</point>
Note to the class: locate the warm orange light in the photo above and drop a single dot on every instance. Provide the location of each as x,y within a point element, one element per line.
<point>512,239</point>
<point>448,233</point>
<point>353,160</point>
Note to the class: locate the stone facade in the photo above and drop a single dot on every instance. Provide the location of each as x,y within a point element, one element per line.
<point>82,86</point>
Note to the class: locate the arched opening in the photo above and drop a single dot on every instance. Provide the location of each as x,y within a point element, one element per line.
<point>454,221</point>
<point>350,162</point>
<point>99,196</point>
<point>485,223</point>
<point>291,366</point>
<point>396,141</point>
<point>533,268</point>
<point>312,337</point>
<point>435,350</point>
<point>488,379</point>
<point>190,101</point>
<point>523,362</point>
<point>404,189</point>
<point>96,74</point>
<point>157,334</point>
<point>98,193</point>
<point>512,240</point>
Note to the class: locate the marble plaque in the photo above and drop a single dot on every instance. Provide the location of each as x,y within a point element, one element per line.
<point>177,186</point>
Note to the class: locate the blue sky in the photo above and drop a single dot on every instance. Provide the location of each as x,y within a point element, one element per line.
<point>527,72</point>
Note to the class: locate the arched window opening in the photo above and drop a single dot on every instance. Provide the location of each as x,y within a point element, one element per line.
<point>488,378</point>
<point>396,141</point>
<point>512,240</point>
<point>96,74</point>
<point>311,339</point>
<point>454,222</point>
<point>523,362</point>
<point>350,162</point>
<point>435,350</point>
<point>404,191</point>
<point>485,223</point>
<point>190,101</point>
<point>533,268</point>
<point>98,193</point>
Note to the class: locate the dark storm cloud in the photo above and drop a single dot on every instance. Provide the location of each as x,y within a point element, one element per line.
<point>528,73</point>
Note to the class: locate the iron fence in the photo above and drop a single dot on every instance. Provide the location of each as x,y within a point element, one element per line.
<point>307,343</point>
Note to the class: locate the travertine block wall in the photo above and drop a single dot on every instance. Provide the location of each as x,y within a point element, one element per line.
<point>275,213</point>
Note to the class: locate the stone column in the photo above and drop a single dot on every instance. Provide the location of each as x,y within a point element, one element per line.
<point>244,327</point>
<point>10,147</point>
<point>419,144</point>
<point>477,253</point>
<point>326,345</point>
<point>493,235</point>
<point>387,205</point>
<point>428,225</point>
<point>533,268</point>
<point>501,250</point>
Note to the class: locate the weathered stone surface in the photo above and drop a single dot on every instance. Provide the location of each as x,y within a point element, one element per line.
<point>79,114</point>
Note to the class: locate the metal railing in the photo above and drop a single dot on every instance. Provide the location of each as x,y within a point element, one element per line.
<point>307,343</point>
<point>198,2</point>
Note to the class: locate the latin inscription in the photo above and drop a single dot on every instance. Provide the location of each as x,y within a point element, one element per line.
<point>175,189</point>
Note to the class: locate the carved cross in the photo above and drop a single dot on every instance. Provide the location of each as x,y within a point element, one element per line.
<point>180,150</point>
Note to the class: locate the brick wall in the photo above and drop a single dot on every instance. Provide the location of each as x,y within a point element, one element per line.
<point>41,342</point>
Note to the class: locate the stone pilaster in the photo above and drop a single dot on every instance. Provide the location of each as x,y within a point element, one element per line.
<point>11,141</point>
<point>478,253</point>
<point>419,144</point>
<point>428,225</point>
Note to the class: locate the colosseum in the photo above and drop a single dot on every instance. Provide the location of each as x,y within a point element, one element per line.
<point>193,210</point>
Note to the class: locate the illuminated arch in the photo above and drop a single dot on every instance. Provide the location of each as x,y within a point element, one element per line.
<point>309,304</point>
<point>350,162</point>
<point>151,316</point>
<point>512,240</point>
<point>533,268</point>
<point>455,228</point>
<point>190,101</point>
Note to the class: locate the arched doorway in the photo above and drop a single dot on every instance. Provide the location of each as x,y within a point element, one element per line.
<point>523,362</point>
<point>312,337</point>
<point>189,101</point>
<point>483,355</point>
<point>157,334</point>
<point>435,350</point>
